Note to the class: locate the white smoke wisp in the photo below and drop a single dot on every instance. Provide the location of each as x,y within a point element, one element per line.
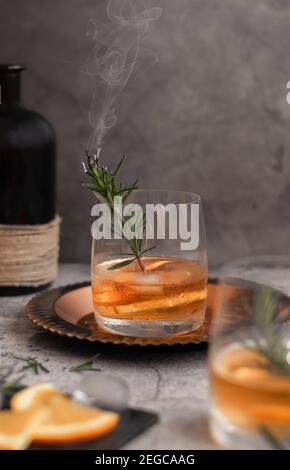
<point>113,59</point>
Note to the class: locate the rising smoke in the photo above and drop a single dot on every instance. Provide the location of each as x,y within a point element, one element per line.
<point>114,57</point>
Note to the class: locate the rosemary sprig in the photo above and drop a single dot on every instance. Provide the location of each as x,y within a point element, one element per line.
<point>105,187</point>
<point>88,365</point>
<point>264,314</point>
<point>274,442</point>
<point>9,388</point>
<point>31,363</point>
<point>104,183</point>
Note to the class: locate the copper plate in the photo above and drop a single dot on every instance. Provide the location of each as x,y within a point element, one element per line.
<point>68,311</point>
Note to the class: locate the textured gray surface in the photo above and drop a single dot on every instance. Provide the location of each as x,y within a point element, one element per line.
<point>211,116</point>
<point>172,381</point>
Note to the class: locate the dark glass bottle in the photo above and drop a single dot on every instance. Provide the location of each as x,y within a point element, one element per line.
<point>27,162</point>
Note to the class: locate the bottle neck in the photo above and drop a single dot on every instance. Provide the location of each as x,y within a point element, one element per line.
<point>10,83</point>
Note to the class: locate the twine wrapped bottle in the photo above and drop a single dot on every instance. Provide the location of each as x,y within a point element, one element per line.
<point>29,228</point>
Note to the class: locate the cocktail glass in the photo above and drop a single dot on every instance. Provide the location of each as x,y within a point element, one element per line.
<point>163,292</point>
<point>249,360</point>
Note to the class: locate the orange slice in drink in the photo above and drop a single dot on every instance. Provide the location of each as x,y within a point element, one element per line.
<point>157,264</point>
<point>185,298</point>
<point>17,428</point>
<point>271,413</point>
<point>147,290</point>
<point>66,421</point>
<point>109,292</point>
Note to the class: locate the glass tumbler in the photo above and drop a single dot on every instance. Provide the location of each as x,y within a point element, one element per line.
<point>249,361</point>
<point>149,264</point>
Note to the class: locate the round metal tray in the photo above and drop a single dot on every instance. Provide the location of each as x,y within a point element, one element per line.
<point>68,311</point>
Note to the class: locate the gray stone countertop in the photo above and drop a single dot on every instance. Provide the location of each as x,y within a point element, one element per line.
<point>169,380</point>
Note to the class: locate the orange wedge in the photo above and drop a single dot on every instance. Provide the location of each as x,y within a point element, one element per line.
<point>16,428</point>
<point>35,395</point>
<point>69,422</point>
<point>66,421</point>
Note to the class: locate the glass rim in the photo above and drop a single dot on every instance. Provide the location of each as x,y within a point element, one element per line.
<point>256,260</point>
<point>247,269</point>
<point>196,198</point>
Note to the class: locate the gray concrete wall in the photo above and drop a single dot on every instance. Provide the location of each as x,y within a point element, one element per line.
<point>211,116</point>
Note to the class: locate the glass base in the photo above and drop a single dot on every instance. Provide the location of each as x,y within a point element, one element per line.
<point>147,328</point>
<point>229,436</point>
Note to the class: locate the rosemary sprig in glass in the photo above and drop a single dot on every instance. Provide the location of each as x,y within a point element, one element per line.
<point>273,441</point>
<point>264,313</point>
<point>105,186</point>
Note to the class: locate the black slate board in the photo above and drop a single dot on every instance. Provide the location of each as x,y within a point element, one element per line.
<point>132,423</point>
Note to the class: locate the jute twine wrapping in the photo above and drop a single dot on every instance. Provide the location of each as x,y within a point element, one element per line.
<point>29,254</point>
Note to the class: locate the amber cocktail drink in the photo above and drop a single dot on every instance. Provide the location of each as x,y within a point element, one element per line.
<point>249,361</point>
<point>249,395</point>
<point>169,290</point>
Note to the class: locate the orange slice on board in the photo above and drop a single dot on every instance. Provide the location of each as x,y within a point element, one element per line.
<point>35,395</point>
<point>66,421</point>
<point>16,428</point>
